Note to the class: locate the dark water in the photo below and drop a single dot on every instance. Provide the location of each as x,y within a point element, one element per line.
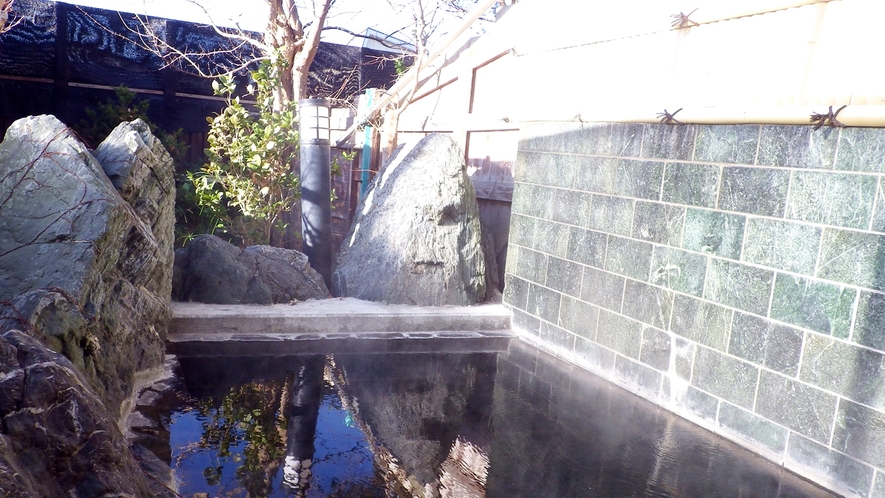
<point>516,424</point>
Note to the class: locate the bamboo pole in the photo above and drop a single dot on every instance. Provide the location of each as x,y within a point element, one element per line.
<point>855,116</point>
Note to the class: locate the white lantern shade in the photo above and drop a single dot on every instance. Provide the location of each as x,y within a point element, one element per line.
<point>314,119</point>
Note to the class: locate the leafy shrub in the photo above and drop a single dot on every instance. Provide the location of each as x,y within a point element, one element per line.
<point>249,181</point>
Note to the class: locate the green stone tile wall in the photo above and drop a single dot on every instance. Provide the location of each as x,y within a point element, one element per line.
<point>733,274</point>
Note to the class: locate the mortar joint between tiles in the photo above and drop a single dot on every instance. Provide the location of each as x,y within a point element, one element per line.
<point>758,145</point>
<point>833,425</point>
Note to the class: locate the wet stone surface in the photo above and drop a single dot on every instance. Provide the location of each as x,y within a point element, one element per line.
<point>659,223</point>
<point>728,144</point>
<point>753,427</point>
<point>579,317</point>
<point>744,287</point>
<point>870,324</point>
<point>861,149</point>
<point>629,257</point>
<point>647,303</point>
<point>713,233</point>
<point>853,372</point>
<point>587,247</point>
<point>597,174</point>
<point>564,276</point>
<point>760,341</point>
<point>552,238</point>
<point>832,199</point>
<point>619,333</point>
<point>678,270</point>
<point>857,419</point>
<point>796,147</point>
<point>611,215</point>
<point>640,179</point>
<point>533,265</point>
<point>655,348</point>
<point>603,288</point>
<point>853,258</point>
<point>701,321</point>
<point>691,184</point>
<point>730,379</point>
<point>778,244</point>
<point>571,206</point>
<point>819,306</point>
<point>854,475</point>
<point>754,190</point>
<point>668,142</point>
<point>811,412</point>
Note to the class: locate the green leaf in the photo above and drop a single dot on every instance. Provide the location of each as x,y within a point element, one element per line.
<point>247,179</point>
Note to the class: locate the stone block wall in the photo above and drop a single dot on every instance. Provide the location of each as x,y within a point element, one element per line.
<point>733,274</point>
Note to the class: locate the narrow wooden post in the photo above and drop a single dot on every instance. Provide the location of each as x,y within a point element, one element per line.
<point>170,75</point>
<point>62,62</point>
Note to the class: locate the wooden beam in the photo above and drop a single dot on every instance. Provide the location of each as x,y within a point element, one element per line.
<point>414,72</point>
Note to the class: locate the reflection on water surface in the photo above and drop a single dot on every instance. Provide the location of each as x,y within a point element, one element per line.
<point>515,424</point>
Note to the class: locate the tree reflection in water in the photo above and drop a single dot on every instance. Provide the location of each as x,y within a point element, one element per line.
<point>252,431</point>
<point>247,419</point>
<point>514,424</point>
<point>349,426</point>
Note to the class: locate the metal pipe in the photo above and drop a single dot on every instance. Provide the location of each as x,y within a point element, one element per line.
<point>316,185</point>
<point>366,159</point>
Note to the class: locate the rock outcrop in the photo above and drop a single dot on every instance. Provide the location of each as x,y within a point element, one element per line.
<point>80,267</point>
<point>58,439</point>
<point>416,238</point>
<point>211,270</point>
<point>142,172</point>
<point>86,274</point>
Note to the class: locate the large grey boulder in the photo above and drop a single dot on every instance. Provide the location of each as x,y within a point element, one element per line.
<point>79,266</point>
<point>416,238</point>
<point>143,173</point>
<point>58,439</point>
<point>212,270</point>
<point>85,279</point>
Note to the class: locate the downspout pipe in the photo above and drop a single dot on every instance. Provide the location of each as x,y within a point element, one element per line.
<point>366,159</point>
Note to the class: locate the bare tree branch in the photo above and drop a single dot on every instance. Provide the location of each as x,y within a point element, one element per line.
<point>286,36</point>
<point>428,17</point>
<point>7,19</point>
<point>146,36</point>
<point>404,46</point>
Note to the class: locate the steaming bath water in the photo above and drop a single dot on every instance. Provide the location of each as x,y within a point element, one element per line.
<point>511,424</point>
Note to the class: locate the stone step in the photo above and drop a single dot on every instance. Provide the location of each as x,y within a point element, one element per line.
<point>268,344</point>
<point>335,325</point>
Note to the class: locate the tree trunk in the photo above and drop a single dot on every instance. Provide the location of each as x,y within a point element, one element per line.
<point>286,37</point>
